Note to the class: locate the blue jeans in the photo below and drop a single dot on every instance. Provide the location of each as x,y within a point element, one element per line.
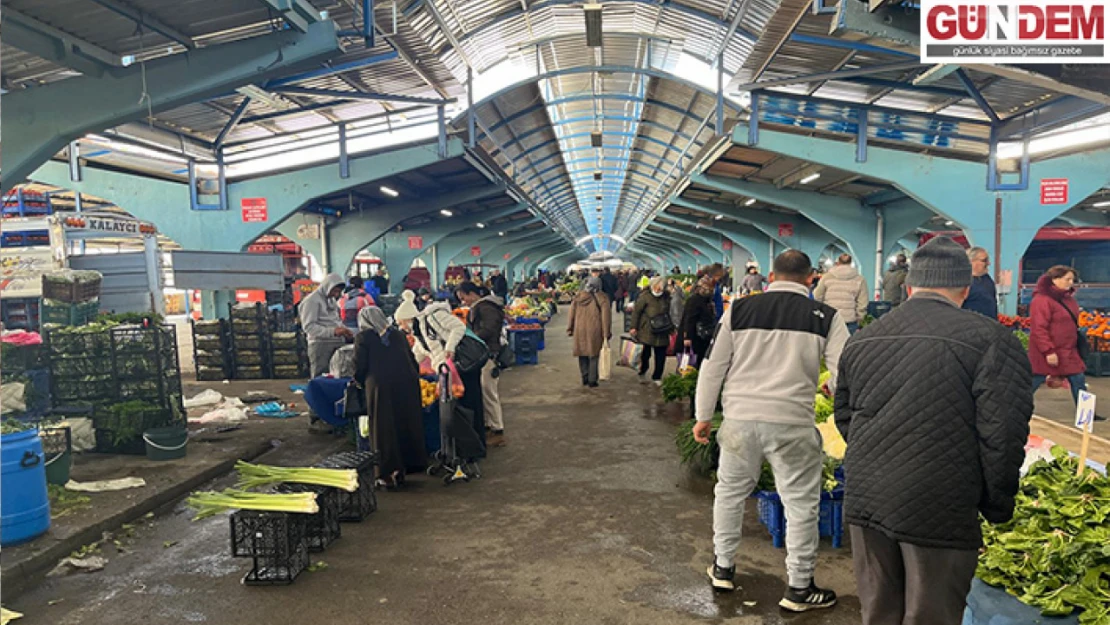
<point>853,327</point>
<point>1077,382</point>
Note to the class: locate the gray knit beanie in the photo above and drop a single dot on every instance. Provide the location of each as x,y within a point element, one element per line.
<point>940,264</point>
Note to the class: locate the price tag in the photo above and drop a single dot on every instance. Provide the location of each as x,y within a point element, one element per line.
<point>1085,412</point>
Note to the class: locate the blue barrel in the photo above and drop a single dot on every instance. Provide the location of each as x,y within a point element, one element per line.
<point>24,506</point>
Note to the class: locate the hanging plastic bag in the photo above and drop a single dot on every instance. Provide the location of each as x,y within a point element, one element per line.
<point>688,359</point>
<point>604,362</point>
<point>631,352</point>
<point>670,344</point>
<point>458,389</point>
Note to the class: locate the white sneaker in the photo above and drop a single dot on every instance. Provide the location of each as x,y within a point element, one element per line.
<point>657,382</point>
<point>643,378</point>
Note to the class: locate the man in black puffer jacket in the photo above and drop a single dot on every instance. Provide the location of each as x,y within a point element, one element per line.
<point>934,403</point>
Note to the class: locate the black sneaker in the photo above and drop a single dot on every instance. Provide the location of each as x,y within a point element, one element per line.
<point>721,578</point>
<point>803,599</point>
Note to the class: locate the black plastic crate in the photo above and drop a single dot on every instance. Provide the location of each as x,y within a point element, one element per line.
<point>124,434</point>
<point>209,374</point>
<point>261,534</point>
<point>356,506</point>
<point>136,339</point>
<point>73,391</point>
<point>91,345</point>
<point>322,528</point>
<point>17,359</point>
<point>269,571</point>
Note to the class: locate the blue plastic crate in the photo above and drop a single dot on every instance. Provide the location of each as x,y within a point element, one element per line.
<point>830,523</point>
<point>525,340</point>
<point>543,337</point>
<point>527,358</point>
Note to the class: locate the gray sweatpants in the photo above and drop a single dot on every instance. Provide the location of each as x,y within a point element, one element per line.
<point>794,453</point>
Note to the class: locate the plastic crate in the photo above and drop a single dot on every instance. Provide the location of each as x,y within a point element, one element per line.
<point>71,292</point>
<point>256,533</point>
<point>356,506</point>
<point>20,358</point>
<point>107,424</point>
<point>830,523</point>
<point>878,309</point>
<point>525,340</point>
<point>527,358</point>
<point>322,528</point>
<point>275,541</point>
<point>97,345</point>
<point>70,314</point>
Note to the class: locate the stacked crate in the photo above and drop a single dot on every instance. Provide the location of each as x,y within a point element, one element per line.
<point>211,348</point>
<point>250,342</point>
<point>129,376</point>
<point>289,354</point>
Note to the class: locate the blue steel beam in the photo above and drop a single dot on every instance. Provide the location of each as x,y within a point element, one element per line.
<point>976,95</point>
<point>956,189</point>
<point>714,250</point>
<point>224,231</point>
<point>677,249</point>
<point>358,95</point>
<point>61,48</point>
<point>748,237</point>
<point>840,74</point>
<point>82,105</point>
<point>299,14</point>
<point>1049,116</point>
<point>807,236</point>
<point>234,120</point>
<point>331,69</point>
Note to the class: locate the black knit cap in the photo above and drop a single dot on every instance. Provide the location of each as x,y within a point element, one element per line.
<point>940,264</point>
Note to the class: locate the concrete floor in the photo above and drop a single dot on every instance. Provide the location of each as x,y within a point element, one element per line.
<point>585,517</point>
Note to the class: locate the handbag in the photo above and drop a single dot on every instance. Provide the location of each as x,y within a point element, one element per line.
<point>1082,345</point>
<point>631,352</point>
<point>687,359</point>
<point>661,324</point>
<point>471,354</point>
<point>604,362</point>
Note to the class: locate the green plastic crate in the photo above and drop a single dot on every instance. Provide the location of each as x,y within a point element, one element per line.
<point>70,314</point>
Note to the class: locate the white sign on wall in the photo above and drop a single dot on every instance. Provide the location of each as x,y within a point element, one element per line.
<point>21,270</point>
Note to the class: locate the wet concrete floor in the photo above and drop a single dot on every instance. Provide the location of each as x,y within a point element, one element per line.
<point>585,517</point>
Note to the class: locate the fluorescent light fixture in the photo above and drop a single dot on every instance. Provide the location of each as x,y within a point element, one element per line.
<point>593,25</point>
<point>828,262</point>
<point>750,202</point>
<point>480,225</point>
<point>500,234</point>
<point>949,223</point>
<point>386,190</point>
<point>718,217</point>
<point>1100,204</point>
<point>810,178</point>
<point>446,213</point>
<point>618,239</point>
<point>584,239</point>
<point>255,92</point>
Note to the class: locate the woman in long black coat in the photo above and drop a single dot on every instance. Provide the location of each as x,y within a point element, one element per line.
<point>385,367</point>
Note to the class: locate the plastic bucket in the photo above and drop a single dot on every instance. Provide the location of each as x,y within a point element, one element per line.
<point>24,505</point>
<point>58,467</point>
<point>167,443</point>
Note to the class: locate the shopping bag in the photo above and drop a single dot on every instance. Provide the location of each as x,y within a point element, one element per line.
<point>630,354</point>
<point>605,362</point>
<point>670,344</point>
<point>687,359</point>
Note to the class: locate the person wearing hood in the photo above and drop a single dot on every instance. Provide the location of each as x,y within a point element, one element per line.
<point>894,282</point>
<point>487,319</point>
<point>437,334</point>
<point>387,372</point>
<point>651,327</point>
<point>1054,331</point>
<point>323,327</point>
<point>845,290</point>
<point>590,322</point>
<point>699,319</point>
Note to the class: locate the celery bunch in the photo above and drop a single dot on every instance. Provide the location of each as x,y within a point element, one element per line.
<point>210,504</point>
<point>252,475</point>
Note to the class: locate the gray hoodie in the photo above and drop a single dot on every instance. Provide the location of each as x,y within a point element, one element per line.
<point>320,314</point>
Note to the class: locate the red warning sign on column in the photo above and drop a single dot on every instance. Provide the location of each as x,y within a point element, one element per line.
<point>1054,191</point>
<point>786,230</point>
<point>508,256</point>
<point>726,245</point>
<point>416,243</point>
<point>254,209</point>
<point>475,251</point>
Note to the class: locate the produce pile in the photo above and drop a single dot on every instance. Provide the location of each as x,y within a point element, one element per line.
<point>1055,553</point>
<point>1016,322</point>
<point>253,475</point>
<point>679,386</point>
<point>12,426</point>
<point>72,276</point>
<point>1022,337</point>
<point>429,393</point>
<point>529,307</point>
<point>570,286</point>
<point>1096,324</point>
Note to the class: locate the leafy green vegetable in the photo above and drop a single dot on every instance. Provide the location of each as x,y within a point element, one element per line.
<point>822,408</point>
<point>125,420</point>
<point>12,426</point>
<point>64,502</point>
<point>692,452</point>
<point>677,387</point>
<point>1055,553</point>
<point>1023,337</point>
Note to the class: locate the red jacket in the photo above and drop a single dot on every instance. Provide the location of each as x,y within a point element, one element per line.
<point>1053,330</point>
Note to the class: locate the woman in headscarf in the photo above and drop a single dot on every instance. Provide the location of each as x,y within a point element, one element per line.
<point>591,324</point>
<point>387,371</point>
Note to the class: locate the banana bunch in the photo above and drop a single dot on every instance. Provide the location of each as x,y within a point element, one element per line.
<point>428,393</point>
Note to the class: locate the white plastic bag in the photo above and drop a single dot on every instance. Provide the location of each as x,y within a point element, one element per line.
<point>605,362</point>
<point>208,397</point>
<point>11,398</point>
